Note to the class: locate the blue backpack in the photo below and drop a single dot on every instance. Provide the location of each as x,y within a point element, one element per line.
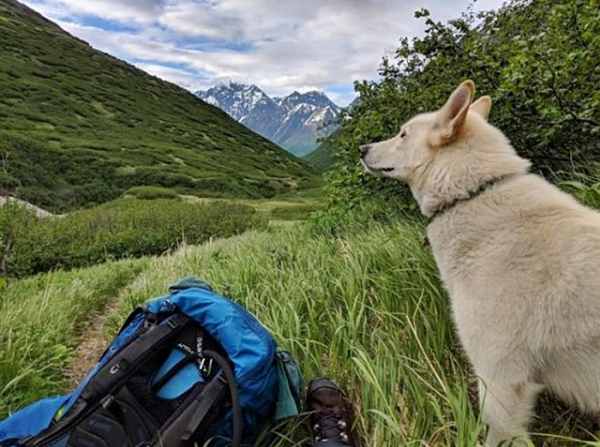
<point>189,368</point>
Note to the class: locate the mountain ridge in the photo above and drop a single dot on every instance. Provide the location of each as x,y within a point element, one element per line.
<point>294,122</point>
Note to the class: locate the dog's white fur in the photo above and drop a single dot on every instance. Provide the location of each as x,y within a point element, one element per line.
<point>520,261</point>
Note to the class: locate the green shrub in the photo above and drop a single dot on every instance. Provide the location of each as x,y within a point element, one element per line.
<point>360,216</point>
<point>537,59</point>
<point>151,192</point>
<point>120,229</point>
<point>14,222</point>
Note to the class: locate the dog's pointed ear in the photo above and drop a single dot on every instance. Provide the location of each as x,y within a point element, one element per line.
<point>482,107</point>
<point>451,117</point>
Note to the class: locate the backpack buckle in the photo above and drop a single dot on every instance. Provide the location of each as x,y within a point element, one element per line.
<point>205,369</point>
<point>151,319</point>
<point>107,401</point>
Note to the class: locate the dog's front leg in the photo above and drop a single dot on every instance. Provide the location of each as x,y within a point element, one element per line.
<point>507,408</point>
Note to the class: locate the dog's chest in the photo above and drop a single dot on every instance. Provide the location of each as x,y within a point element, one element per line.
<point>457,253</point>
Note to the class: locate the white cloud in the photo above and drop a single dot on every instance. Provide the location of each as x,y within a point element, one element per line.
<point>141,12</point>
<point>280,45</point>
<point>184,78</point>
<point>341,99</point>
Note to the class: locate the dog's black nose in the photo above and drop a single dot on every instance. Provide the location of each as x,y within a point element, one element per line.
<point>364,149</point>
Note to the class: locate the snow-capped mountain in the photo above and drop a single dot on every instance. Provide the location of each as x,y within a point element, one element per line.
<point>294,122</point>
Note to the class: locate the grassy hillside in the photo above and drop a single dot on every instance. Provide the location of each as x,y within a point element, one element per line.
<point>365,308</point>
<point>79,126</point>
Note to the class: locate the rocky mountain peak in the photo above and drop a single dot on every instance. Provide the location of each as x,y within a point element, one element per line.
<point>294,121</point>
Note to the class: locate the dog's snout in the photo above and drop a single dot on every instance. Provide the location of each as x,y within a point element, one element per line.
<point>364,149</point>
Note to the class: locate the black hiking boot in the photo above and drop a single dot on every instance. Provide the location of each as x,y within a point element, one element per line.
<point>331,413</point>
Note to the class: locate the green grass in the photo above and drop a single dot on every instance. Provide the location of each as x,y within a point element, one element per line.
<point>78,126</point>
<point>345,308</point>
<point>365,308</point>
<point>40,319</point>
<point>298,211</point>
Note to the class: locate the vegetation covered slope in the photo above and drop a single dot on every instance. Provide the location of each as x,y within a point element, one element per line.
<point>79,126</point>
<point>323,156</point>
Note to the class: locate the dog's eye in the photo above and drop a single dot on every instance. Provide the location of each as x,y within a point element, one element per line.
<point>403,134</point>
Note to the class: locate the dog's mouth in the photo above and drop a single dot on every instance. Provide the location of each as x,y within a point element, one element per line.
<point>379,171</point>
<point>376,171</point>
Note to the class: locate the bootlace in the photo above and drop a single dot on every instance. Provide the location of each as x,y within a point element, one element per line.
<point>330,426</point>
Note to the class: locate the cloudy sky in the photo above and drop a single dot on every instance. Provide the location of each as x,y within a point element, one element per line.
<point>279,45</point>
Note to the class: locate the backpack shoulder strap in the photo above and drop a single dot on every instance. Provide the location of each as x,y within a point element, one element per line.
<point>142,346</point>
<point>200,420</point>
<point>196,420</point>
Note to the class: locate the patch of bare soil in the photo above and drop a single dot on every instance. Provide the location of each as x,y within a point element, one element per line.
<point>93,343</point>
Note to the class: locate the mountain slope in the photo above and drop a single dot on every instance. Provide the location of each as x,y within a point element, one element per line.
<point>306,114</point>
<point>79,126</point>
<point>293,122</point>
<point>322,156</point>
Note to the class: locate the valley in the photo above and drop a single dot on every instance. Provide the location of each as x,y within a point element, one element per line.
<point>80,127</point>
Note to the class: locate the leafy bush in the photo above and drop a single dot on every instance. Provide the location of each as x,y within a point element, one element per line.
<point>537,59</point>
<point>15,221</point>
<point>119,229</point>
<point>151,192</point>
<point>361,216</point>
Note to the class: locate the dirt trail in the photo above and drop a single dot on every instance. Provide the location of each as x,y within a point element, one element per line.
<point>93,343</point>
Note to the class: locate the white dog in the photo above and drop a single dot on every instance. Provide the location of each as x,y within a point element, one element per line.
<point>520,260</point>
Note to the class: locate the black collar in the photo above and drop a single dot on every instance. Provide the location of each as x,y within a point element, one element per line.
<point>472,194</point>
